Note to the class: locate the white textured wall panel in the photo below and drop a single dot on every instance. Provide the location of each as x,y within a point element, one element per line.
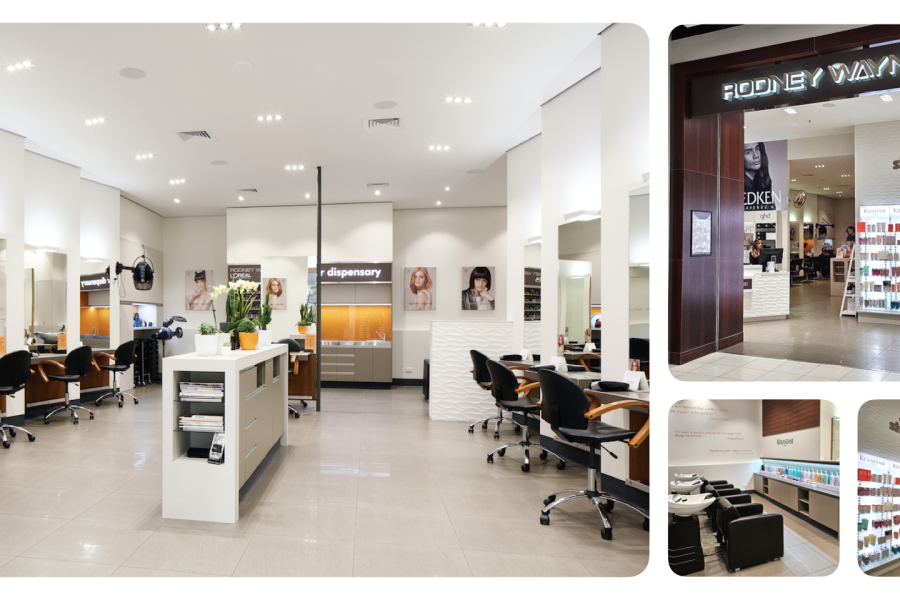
<point>771,295</point>
<point>876,150</point>
<point>533,336</point>
<point>454,394</point>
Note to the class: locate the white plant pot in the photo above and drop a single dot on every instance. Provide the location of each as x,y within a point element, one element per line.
<point>206,344</point>
<point>265,338</point>
<point>223,341</point>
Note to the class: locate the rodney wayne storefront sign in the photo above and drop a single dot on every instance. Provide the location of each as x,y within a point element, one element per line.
<point>799,82</point>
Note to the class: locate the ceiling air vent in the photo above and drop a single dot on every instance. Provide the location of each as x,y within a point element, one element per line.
<point>380,124</point>
<point>196,136</point>
<point>378,186</point>
<point>248,191</point>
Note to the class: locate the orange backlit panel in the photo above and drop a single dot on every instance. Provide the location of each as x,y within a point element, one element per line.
<point>95,318</point>
<point>356,323</point>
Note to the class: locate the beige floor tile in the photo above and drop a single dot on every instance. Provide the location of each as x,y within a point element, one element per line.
<point>313,474</point>
<point>498,564</point>
<point>712,370</point>
<point>804,559</point>
<point>250,515</point>
<point>8,493</point>
<point>298,492</point>
<point>52,503</point>
<point>694,377</point>
<point>830,547</point>
<point>744,374</point>
<point>138,572</point>
<point>83,541</point>
<point>131,510</point>
<point>774,568</point>
<point>144,483</point>
<point>312,522</point>
<point>429,529</point>
<point>387,560</point>
<point>604,568</point>
<point>507,535</point>
<point>190,551</point>
<point>5,559</point>
<point>796,368</point>
<point>38,567</point>
<point>275,556</point>
<point>830,372</point>
<point>824,572</point>
<point>413,499</point>
<point>582,536</point>
<point>92,479</point>
<point>778,376</point>
<point>464,502</point>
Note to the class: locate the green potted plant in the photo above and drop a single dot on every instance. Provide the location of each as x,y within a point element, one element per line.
<point>239,299</point>
<point>246,330</point>
<point>206,342</point>
<point>264,318</point>
<point>307,318</point>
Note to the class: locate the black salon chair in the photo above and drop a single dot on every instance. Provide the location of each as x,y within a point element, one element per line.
<point>483,378</point>
<point>15,372</point>
<point>737,500</point>
<point>566,407</point>
<point>505,389</point>
<point>719,491</point>
<point>119,363</point>
<point>749,535</point>
<point>79,364</point>
<point>293,346</point>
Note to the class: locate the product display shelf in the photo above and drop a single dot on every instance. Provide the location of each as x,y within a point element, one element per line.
<point>532,303</point>
<point>877,520</point>
<point>878,268</point>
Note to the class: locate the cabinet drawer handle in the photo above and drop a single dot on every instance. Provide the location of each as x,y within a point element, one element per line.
<point>255,392</point>
<point>250,451</point>
<point>247,426</point>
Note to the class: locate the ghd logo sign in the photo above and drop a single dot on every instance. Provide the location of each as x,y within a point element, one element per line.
<point>785,442</point>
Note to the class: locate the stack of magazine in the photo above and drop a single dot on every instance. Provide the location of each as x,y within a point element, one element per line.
<point>201,392</point>
<point>211,423</point>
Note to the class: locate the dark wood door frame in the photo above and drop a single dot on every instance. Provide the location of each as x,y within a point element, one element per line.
<point>706,298</point>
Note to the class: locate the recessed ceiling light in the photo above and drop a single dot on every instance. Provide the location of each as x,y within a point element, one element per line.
<point>243,65</point>
<point>236,25</point>
<point>886,97</point>
<point>447,189</point>
<point>19,66</point>
<point>293,167</point>
<point>790,111</point>
<point>829,105</point>
<point>439,148</point>
<point>144,156</point>
<point>176,181</point>
<point>268,117</point>
<point>307,195</point>
<point>438,202</point>
<point>458,100</point>
<point>219,163</point>
<point>210,27</point>
<point>467,101</point>
<point>745,127</point>
<point>826,189</point>
<point>377,192</point>
<point>241,198</point>
<point>96,121</point>
<point>448,99</point>
<point>224,26</point>
<point>793,180</point>
<point>177,201</point>
<point>277,117</point>
<point>385,105</point>
<point>132,73</point>
<point>487,24</point>
<point>431,147</point>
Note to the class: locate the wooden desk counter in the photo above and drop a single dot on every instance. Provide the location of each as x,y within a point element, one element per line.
<point>38,393</point>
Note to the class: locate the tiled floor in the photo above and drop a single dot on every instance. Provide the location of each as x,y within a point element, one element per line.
<point>368,487</point>
<point>815,342</point>
<point>809,551</point>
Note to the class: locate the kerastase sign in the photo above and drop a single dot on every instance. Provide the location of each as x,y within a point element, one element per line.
<point>799,82</point>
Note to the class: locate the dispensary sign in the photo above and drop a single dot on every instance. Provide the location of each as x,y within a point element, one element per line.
<point>356,273</point>
<point>799,82</point>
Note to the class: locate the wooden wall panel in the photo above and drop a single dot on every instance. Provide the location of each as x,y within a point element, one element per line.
<point>690,191</point>
<point>694,323</point>
<point>784,416</point>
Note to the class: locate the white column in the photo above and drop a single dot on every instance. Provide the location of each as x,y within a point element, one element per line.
<point>12,218</point>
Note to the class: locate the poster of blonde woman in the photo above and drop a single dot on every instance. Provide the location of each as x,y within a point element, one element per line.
<point>276,287</point>
<point>198,285</point>
<point>420,294</point>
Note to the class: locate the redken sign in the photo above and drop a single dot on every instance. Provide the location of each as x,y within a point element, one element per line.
<point>822,77</point>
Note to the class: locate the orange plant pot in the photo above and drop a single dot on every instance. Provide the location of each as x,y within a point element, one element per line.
<point>301,329</point>
<point>248,340</point>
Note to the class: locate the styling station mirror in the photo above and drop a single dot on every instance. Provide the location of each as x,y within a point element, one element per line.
<point>94,303</point>
<point>532,298</point>
<point>45,301</point>
<point>578,303</point>
<point>3,332</point>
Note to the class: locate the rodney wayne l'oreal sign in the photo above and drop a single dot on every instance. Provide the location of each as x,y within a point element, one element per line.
<point>799,82</point>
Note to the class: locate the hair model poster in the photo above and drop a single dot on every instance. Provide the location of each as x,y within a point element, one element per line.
<point>197,285</point>
<point>420,293</point>
<point>478,284</point>
<point>276,287</point>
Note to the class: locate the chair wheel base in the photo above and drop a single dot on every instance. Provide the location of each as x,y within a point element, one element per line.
<point>6,444</point>
<point>518,429</point>
<point>121,404</point>
<point>92,417</point>
<point>76,421</point>
<point>490,458</point>
<point>543,455</point>
<point>99,402</point>
<point>609,506</point>
<point>484,425</point>
<point>496,436</point>
<point>472,429</point>
<point>31,438</point>
<point>296,415</point>
<point>646,524</point>
<point>526,467</point>
<point>549,499</point>
<point>545,519</point>
<point>136,401</point>
<point>606,534</point>
<point>501,452</point>
<point>561,465</point>
<point>12,433</point>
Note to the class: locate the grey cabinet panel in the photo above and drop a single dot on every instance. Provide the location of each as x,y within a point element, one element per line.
<point>381,365</point>
<point>338,294</point>
<point>363,367</point>
<point>790,497</point>
<point>824,509</point>
<point>373,293</point>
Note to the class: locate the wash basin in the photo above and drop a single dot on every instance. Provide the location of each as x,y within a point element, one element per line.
<point>685,487</point>
<point>376,344</point>
<point>683,506</point>
<point>686,476</point>
<point>47,338</point>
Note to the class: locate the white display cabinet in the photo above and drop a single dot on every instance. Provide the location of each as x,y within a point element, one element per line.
<point>255,416</point>
<point>878,271</point>
<point>878,489</point>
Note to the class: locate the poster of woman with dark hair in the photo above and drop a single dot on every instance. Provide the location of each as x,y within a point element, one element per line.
<point>477,294</point>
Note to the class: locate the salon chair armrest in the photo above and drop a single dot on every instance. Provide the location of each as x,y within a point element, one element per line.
<point>582,357</point>
<point>43,364</point>
<point>105,355</point>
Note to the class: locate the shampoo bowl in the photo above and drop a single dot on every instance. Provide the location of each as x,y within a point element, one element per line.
<point>685,487</point>
<point>684,506</point>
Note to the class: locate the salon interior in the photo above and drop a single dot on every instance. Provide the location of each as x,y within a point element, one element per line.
<point>754,488</point>
<point>819,301</point>
<point>220,354</point>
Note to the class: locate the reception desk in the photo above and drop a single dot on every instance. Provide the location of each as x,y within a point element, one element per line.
<point>255,422</point>
<point>767,296</point>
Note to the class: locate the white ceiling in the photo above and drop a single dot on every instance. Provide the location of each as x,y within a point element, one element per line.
<point>323,79</point>
<point>875,437</point>
<point>815,180</point>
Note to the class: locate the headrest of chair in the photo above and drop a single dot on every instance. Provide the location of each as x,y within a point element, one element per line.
<point>293,345</point>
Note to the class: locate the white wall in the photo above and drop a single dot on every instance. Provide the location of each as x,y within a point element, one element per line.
<point>191,243</point>
<point>827,411</point>
<point>523,220</point>
<point>719,439</point>
<point>876,149</point>
<point>12,191</point>
<point>292,270</point>
<point>139,225</point>
<point>448,239</point>
<point>100,217</point>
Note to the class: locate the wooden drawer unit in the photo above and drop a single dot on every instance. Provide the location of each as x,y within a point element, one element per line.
<point>824,509</point>
<point>363,365</point>
<point>381,365</point>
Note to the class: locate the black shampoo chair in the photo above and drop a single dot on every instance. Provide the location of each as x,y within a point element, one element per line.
<point>566,407</point>
<point>119,363</point>
<point>750,536</point>
<point>15,372</point>
<point>483,378</point>
<point>79,364</point>
<point>506,389</point>
<point>293,346</point>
